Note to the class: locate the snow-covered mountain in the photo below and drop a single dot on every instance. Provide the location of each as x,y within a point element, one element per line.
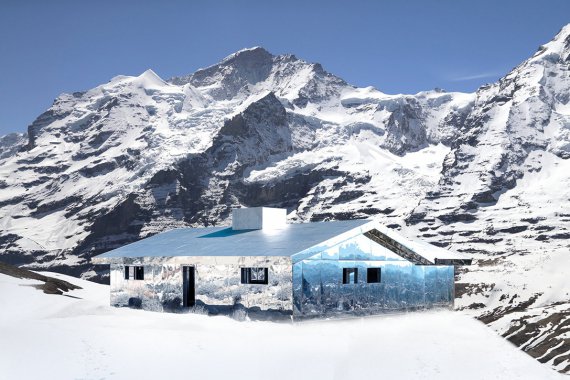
<point>139,155</point>
<point>485,173</point>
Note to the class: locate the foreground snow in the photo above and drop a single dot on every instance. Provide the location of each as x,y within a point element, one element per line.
<point>59,337</point>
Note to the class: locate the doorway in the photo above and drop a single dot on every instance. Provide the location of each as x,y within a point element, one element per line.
<point>188,286</point>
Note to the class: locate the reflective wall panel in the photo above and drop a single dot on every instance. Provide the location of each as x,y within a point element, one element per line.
<point>218,287</point>
<point>318,288</point>
<point>307,285</point>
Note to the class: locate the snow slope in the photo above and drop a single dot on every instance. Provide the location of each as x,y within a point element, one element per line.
<point>84,338</point>
<point>170,151</point>
<point>486,174</point>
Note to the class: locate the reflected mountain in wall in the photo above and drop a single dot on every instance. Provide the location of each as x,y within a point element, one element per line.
<point>486,173</point>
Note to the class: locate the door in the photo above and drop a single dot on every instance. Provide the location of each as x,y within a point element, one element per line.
<point>188,286</point>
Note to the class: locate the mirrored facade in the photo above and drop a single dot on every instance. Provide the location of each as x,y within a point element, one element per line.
<point>351,274</point>
<point>265,268</point>
<point>331,280</point>
<point>216,287</point>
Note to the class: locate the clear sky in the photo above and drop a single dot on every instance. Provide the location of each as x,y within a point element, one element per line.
<point>50,47</point>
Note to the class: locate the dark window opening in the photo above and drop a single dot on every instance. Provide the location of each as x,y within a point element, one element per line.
<point>254,276</point>
<point>188,286</point>
<point>133,272</point>
<point>373,275</point>
<point>349,275</point>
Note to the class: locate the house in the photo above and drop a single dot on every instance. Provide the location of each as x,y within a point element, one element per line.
<point>263,265</point>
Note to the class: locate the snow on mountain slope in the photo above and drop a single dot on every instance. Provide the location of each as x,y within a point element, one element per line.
<point>125,145</point>
<point>83,337</point>
<point>483,173</point>
<point>503,197</point>
<point>12,143</point>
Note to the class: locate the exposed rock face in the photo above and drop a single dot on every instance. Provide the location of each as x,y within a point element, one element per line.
<point>485,173</point>
<point>12,143</point>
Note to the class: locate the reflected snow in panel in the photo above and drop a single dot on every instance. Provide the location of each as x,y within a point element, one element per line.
<point>218,287</point>
<point>319,289</point>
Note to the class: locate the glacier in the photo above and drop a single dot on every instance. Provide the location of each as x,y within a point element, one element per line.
<point>484,173</point>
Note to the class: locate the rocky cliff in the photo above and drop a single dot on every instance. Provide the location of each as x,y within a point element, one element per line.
<point>484,173</point>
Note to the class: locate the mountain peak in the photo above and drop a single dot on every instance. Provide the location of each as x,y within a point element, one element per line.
<point>149,73</point>
<point>486,172</point>
<point>150,78</point>
<point>250,59</point>
<point>557,49</point>
<point>252,64</point>
<point>253,53</point>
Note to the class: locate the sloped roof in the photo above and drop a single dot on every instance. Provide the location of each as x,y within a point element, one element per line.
<point>301,240</point>
<point>223,241</point>
<point>414,250</point>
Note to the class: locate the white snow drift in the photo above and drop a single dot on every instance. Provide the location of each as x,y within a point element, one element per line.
<point>61,337</point>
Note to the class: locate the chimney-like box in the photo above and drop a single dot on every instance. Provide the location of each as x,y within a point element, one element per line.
<point>258,218</point>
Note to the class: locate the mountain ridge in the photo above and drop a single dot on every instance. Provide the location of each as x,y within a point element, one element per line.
<point>483,173</point>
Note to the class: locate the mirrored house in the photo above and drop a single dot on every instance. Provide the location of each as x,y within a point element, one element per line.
<point>264,266</point>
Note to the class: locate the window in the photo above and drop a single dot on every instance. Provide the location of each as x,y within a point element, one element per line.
<point>373,275</point>
<point>133,272</point>
<point>254,275</point>
<point>349,275</point>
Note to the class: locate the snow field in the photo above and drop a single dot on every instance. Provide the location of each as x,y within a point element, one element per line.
<point>59,337</point>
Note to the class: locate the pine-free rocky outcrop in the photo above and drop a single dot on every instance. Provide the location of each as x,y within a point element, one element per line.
<point>486,173</point>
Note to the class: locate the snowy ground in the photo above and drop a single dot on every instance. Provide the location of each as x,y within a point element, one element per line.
<point>60,337</point>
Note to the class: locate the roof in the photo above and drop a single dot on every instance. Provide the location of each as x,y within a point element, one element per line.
<point>299,240</point>
<point>433,254</point>
<point>223,241</point>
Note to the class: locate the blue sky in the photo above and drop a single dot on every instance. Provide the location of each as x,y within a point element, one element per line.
<point>50,47</point>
